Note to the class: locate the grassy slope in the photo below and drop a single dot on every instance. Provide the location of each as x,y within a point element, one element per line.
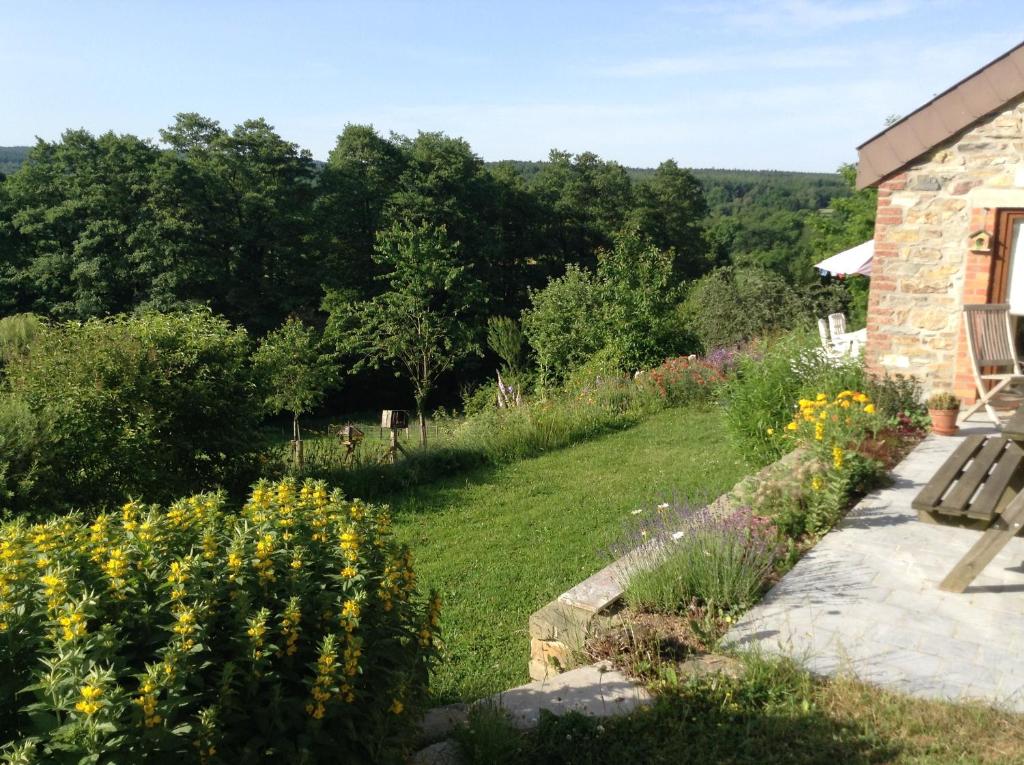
<point>499,543</point>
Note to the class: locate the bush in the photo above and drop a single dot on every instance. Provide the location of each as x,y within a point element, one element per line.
<point>290,630</point>
<point>811,498</point>
<point>722,561</point>
<point>155,405</point>
<point>896,395</point>
<point>734,305</point>
<point>689,379</point>
<point>758,400</point>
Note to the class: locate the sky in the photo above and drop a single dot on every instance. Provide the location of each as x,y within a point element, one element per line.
<point>757,84</point>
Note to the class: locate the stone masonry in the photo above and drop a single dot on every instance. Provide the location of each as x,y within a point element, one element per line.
<point>923,270</point>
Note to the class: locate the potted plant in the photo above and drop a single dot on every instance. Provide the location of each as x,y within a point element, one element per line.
<point>943,409</point>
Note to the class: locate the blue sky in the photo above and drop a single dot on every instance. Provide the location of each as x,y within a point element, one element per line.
<point>791,85</point>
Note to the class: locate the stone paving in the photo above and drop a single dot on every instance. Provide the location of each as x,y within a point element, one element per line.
<point>865,601</point>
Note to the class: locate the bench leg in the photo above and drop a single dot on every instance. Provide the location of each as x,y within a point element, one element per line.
<point>986,548</point>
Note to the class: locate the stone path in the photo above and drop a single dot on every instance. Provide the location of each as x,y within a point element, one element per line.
<point>865,601</point>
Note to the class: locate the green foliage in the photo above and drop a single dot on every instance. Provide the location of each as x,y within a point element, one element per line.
<point>417,325</point>
<point>505,338</point>
<point>626,309</point>
<point>291,630</point>
<point>897,394</point>
<point>17,333</point>
<point>151,404</point>
<point>565,324</point>
<point>294,372</point>
<point>721,562</point>
<point>943,400</point>
<point>758,401</point>
<point>734,305</point>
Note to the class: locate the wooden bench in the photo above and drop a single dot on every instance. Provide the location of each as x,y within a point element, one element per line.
<point>978,486</point>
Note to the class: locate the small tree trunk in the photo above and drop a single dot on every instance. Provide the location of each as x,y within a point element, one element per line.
<point>422,420</point>
<point>296,441</point>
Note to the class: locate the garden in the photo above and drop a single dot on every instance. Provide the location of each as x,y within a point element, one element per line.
<point>305,621</point>
<point>207,556</point>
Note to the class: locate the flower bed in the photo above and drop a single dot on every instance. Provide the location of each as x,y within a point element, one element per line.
<point>289,629</point>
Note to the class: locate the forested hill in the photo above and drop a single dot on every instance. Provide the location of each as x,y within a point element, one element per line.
<point>783,189</point>
<point>788,190</point>
<point>12,157</point>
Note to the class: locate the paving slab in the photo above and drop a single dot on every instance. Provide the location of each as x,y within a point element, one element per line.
<point>597,690</point>
<point>865,601</point>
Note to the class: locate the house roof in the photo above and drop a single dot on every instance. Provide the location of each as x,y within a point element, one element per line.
<point>947,114</point>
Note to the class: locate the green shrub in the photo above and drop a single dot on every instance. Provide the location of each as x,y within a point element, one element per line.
<point>758,400</point>
<point>289,631</point>
<point>721,561</point>
<point>690,379</point>
<point>896,395</point>
<point>154,405</point>
<point>734,305</point>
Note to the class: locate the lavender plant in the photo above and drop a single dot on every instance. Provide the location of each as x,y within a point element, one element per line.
<point>721,560</point>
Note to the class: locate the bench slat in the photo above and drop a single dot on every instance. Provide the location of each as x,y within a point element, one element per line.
<point>1001,486</point>
<point>957,501</point>
<point>931,495</point>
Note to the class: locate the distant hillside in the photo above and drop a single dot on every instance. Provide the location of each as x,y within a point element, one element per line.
<point>728,190</point>
<point>11,158</point>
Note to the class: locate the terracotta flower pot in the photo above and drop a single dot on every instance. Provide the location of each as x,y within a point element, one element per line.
<point>944,421</point>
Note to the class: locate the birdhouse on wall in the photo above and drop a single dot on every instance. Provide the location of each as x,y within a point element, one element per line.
<point>981,241</point>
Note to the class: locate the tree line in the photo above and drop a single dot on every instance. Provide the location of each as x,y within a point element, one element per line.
<point>399,249</point>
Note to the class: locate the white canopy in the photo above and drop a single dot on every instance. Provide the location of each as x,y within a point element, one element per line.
<point>856,260</point>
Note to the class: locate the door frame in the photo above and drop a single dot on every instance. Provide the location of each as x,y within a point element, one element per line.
<point>999,277</point>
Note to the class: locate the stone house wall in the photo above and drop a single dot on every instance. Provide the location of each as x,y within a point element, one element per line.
<point>923,270</point>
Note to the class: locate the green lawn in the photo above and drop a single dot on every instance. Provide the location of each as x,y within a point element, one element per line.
<point>498,543</point>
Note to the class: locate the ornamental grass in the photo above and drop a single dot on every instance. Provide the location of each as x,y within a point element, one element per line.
<point>291,629</point>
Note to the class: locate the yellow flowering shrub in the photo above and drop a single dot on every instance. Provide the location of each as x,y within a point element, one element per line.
<point>829,430</point>
<point>291,629</point>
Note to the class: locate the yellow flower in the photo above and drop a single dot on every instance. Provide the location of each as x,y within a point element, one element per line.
<point>791,426</point>
<point>396,707</point>
<point>771,431</point>
<point>350,609</point>
<point>816,483</point>
<point>837,457</point>
<point>819,432</point>
<point>349,572</point>
<point>870,408</point>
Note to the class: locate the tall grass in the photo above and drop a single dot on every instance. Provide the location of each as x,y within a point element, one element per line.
<point>491,437</point>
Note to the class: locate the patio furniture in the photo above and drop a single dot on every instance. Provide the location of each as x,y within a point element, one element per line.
<point>836,341</point>
<point>991,347</point>
<point>978,486</point>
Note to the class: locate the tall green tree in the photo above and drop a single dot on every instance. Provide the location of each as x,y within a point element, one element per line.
<point>417,325</point>
<point>361,174</point>
<point>670,211</point>
<point>249,199</point>
<point>78,208</point>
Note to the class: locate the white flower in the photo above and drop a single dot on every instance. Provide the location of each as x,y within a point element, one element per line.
<point>637,511</point>
<point>677,535</point>
<point>663,506</point>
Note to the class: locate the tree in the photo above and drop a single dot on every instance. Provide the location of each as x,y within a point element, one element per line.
<point>670,211</point>
<point>294,372</point>
<point>416,326</point>
<point>847,222</point>
<point>626,309</point>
